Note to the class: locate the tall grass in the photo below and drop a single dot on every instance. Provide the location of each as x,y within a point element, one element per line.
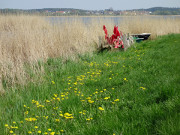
<point>29,39</point>
<point>157,26</point>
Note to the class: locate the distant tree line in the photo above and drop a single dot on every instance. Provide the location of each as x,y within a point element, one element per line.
<point>71,11</point>
<point>163,11</point>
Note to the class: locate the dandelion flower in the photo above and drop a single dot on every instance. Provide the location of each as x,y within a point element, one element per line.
<point>39,131</point>
<point>53,82</point>
<point>113,102</point>
<point>61,115</point>
<point>52,133</point>
<point>29,132</point>
<point>36,127</point>
<point>47,101</point>
<point>125,79</point>
<point>57,120</point>
<point>49,129</point>
<point>106,98</point>
<point>100,108</point>
<point>90,101</point>
<point>142,88</point>
<point>61,130</point>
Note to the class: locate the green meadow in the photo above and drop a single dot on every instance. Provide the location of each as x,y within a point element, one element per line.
<point>136,92</point>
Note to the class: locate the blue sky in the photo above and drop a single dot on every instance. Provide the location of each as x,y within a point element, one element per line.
<point>88,4</point>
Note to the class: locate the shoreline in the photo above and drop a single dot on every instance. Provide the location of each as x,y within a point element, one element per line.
<point>116,16</point>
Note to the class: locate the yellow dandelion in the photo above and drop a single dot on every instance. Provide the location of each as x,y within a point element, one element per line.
<point>6,125</point>
<point>75,83</point>
<point>125,79</point>
<point>39,132</point>
<point>57,120</point>
<point>61,115</point>
<point>116,100</point>
<point>100,108</point>
<point>61,130</point>
<point>142,88</point>
<point>62,95</point>
<point>36,127</point>
<point>88,98</point>
<point>90,101</point>
<point>29,132</point>
<point>106,98</point>
<point>14,127</point>
<point>52,133</point>
<point>47,101</point>
<point>11,132</point>
<point>53,82</point>
<point>49,129</point>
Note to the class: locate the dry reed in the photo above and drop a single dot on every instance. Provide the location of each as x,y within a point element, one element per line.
<point>156,25</point>
<point>29,39</point>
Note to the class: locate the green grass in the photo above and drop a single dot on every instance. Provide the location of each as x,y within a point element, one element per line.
<point>138,91</point>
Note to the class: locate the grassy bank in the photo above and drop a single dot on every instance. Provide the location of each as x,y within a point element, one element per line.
<point>132,92</point>
<point>30,39</point>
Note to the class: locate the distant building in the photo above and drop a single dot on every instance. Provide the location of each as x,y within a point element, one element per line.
<point>62,12</point>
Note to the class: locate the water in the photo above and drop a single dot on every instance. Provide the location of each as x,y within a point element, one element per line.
<point>115,20</point>
<point>85,20</point>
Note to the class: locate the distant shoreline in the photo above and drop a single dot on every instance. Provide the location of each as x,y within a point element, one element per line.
<point>112,16</point>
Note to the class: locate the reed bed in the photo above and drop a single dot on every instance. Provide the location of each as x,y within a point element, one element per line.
<point>156,25</point>
<point>25,40</point>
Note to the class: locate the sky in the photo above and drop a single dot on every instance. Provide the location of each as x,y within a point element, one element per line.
<point>88,4</point>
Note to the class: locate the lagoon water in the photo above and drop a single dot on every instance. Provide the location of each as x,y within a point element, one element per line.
<point>115,20</point>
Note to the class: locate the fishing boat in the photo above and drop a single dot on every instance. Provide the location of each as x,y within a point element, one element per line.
<point>142,36</point>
